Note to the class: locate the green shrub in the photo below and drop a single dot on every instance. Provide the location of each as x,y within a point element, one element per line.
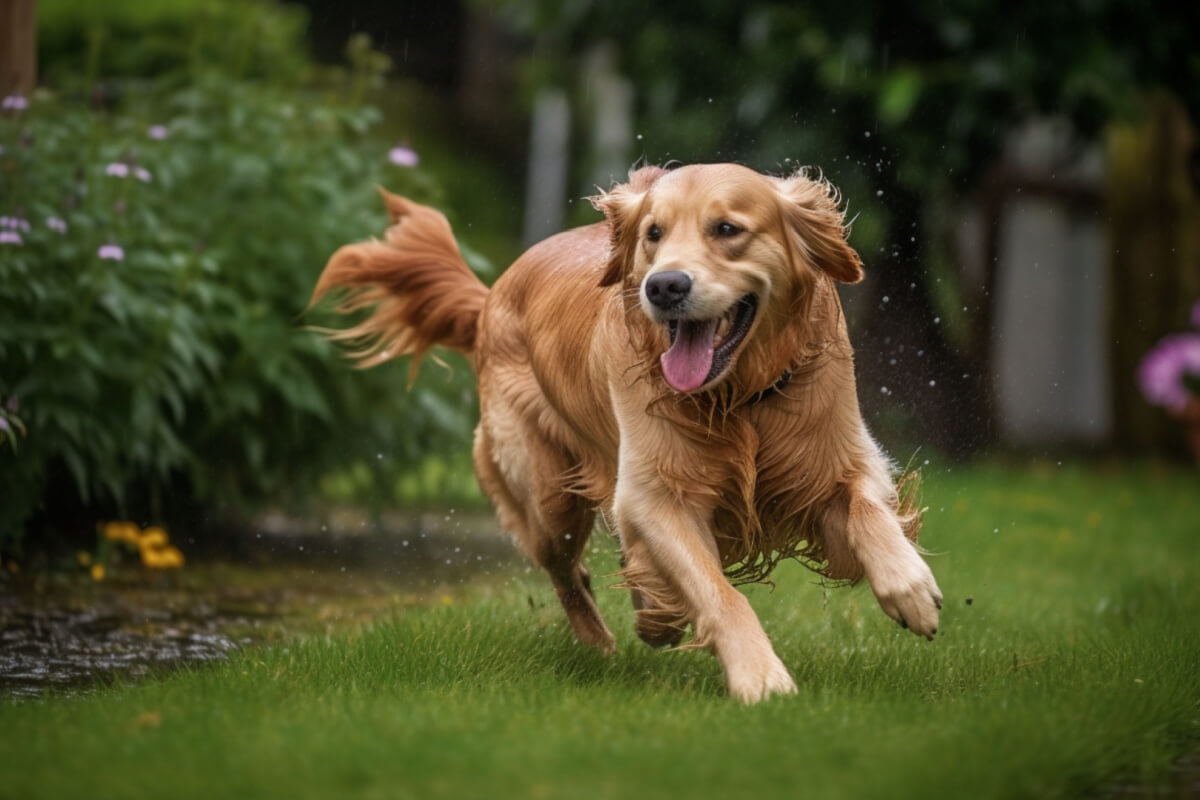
<point>144,38</point>
<point>151,292</point>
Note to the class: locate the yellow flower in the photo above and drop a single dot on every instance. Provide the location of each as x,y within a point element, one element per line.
<point>165,557</point>
<point>84,558</point>
<point>121,532</point>
<point>97,572</point>
<point>152,538</point>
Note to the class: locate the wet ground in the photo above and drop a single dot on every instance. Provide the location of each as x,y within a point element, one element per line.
<point>62,631</point>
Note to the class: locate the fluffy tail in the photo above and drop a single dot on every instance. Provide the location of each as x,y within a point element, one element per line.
<point>422,291</point>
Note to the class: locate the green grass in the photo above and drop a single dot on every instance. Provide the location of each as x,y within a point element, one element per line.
<point>1074,669</point>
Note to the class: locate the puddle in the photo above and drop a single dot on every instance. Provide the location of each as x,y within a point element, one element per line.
<point>64,633</point>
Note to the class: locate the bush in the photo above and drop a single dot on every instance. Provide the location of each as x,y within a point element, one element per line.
<point>151,292</point>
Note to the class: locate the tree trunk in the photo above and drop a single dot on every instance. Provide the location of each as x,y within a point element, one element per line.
<point>18,46</point>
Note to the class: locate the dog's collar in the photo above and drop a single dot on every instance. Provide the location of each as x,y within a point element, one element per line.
<point>772,389</point>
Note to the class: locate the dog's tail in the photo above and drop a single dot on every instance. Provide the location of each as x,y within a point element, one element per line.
<point>420,289</point>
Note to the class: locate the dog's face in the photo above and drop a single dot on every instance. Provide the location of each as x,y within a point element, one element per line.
<point>721,257</point>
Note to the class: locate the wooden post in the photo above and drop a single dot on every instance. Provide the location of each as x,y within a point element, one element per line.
<point>18,46</point>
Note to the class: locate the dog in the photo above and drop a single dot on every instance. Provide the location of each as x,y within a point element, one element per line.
<point>682,367</point>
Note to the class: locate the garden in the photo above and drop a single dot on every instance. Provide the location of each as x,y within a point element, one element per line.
<point>231,564</point>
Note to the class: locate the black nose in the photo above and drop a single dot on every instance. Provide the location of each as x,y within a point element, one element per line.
<point>668,289</point>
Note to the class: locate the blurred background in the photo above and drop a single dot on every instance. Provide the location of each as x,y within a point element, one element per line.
<point>1024,184</point>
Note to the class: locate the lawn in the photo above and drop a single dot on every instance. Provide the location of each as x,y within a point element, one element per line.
<point>1067,664</point>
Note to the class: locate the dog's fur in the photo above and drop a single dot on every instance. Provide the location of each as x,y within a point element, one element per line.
<point>768,458</point>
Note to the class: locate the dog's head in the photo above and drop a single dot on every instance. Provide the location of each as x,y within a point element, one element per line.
<point>723,259</point>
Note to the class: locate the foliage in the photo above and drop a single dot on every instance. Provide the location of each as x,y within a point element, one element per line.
<point>908,93</point>
<point>1062,669</point>
<point>172,38</point>
<point>152,299</point>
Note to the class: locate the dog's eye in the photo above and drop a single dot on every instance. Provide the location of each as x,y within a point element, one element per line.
<point>653,233</point>
<point>727,229</point>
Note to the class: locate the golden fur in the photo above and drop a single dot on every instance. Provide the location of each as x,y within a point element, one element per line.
<point>768,459</point>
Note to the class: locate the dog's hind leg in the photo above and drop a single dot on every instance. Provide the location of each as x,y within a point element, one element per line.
<point>549,524</point>
<point>660,617</point>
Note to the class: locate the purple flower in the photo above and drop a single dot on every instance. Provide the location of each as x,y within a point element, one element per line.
<point>56,224</point>
<point>142,174</point>
<point>403,156</point>
<point>10,222</point>
<point>158,132</point>
<point>10,237</point>
<point>117,170</point>
<point>1166,370</point>
<point>112,252</point>
<point>15,102</point>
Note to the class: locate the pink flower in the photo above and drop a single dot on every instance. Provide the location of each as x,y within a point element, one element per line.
<point>15,102</point>
<point>158,132</point>
<point>56,224</point>
<point>117,170</point>
<point>403,156</point>
<point>142,174</point>
<point>112,252</point>
<point>10,237</point>
<point>1166,371</point>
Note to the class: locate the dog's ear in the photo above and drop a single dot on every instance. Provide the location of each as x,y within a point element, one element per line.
<point>816,226</point>
<point>622,206</point>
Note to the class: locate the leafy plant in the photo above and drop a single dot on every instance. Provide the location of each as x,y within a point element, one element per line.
<point>151,289</point>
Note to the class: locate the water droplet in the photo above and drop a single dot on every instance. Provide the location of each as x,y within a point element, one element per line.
<point>879,192</point>
<point>886,299</point>
<point>933,383</point>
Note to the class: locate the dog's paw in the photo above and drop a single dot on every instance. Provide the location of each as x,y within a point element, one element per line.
<point>752,683</point>
<point>908,594</point>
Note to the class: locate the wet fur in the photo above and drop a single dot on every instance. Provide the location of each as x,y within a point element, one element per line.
<point>703,488</point>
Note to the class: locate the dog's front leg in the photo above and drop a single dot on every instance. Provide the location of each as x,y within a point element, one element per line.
<point>899,577</point>
<point>678,540</point>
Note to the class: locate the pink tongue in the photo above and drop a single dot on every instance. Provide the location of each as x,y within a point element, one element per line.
<point>687,363</point>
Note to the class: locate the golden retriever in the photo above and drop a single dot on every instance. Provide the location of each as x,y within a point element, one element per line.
<point>683,367</point>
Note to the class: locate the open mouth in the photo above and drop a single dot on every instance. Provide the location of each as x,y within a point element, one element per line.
<point>701,350</point>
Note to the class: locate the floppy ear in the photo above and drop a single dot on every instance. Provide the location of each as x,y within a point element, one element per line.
<point>622,206</point>
<point>816,225</point>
